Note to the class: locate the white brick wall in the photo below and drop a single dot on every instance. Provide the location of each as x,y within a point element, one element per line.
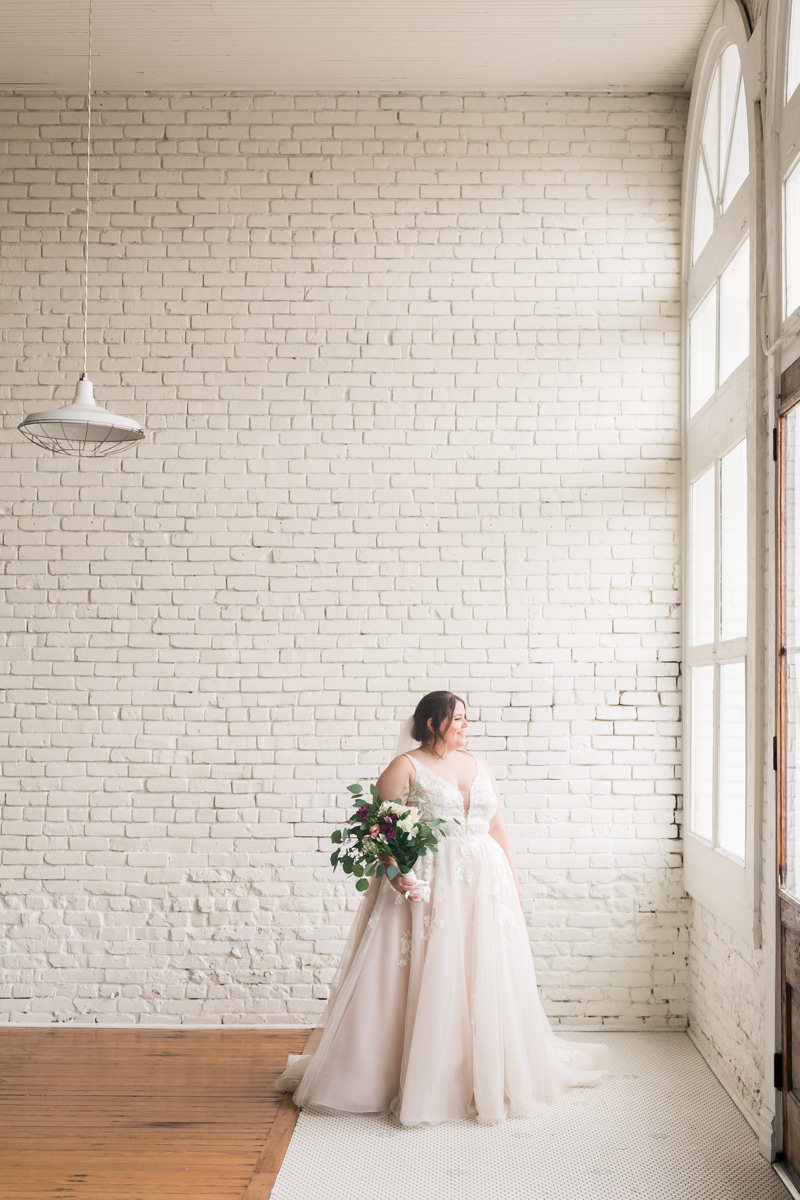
<point>734,985</point>
<point>409,370</point>
<point>727,1007</point>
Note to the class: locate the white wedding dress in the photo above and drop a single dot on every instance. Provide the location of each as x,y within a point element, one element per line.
<point>434,1013</point>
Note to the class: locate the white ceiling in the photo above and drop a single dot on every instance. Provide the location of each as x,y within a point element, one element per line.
<point>353,45</point>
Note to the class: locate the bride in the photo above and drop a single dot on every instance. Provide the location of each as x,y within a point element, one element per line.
<point>434,1013</point>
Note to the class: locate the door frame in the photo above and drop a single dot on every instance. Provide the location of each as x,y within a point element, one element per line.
<point>787,400</point>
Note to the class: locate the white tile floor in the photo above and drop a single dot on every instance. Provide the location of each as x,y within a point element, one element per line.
<point>662,1129</point>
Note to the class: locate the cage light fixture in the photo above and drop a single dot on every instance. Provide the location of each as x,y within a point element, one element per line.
<point>83,428</point>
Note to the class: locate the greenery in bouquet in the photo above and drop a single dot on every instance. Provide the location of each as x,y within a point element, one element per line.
<point>382,829</point>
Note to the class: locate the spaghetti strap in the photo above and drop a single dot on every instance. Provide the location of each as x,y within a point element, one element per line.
<point>410,759</point>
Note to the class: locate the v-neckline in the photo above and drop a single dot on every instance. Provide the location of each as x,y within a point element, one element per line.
<point>436,775</point>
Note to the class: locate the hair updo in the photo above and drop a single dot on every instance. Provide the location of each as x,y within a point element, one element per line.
<point>437,707</point>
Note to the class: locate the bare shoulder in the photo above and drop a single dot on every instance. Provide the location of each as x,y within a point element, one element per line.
<point>401,762</point>
<point>396,778</point>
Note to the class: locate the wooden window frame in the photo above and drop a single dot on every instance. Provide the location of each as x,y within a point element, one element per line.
<point>726,886</point>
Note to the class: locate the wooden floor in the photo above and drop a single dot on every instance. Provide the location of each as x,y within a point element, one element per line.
<point>143,1114</point>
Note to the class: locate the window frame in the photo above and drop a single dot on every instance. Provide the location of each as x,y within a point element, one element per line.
<point>782,152</point>
<point>725,885</point>
<point>784,118</point>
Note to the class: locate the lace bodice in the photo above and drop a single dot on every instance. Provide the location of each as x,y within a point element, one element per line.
<point>438,797</point>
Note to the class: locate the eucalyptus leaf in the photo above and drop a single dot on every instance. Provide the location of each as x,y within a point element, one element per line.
<point>362,884</point>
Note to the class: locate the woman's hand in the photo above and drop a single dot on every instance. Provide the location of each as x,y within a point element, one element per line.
<point>409,888</point>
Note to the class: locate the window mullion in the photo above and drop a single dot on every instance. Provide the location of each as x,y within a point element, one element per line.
<point>700,656</point>
<point>731,649</point>
<point>719,249</point>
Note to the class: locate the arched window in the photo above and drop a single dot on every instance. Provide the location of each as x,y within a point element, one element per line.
<point>719,468</point>
<point>723,152</point>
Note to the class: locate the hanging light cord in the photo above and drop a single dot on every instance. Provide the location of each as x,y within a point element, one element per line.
<point>88,162</point>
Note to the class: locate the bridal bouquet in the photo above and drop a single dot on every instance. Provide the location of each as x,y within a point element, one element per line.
<point>381,829</point>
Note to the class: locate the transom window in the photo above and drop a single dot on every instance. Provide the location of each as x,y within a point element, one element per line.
<point>723,165</point>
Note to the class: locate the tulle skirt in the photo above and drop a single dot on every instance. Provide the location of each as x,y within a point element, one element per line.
<point>434,1013</point>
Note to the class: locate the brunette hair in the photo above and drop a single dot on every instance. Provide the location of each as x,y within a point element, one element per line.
<point>438,706</point>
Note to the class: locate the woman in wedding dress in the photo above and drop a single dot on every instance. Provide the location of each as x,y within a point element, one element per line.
<point>434,1013</point>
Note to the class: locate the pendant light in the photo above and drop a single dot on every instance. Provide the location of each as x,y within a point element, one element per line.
<point>83,428</point>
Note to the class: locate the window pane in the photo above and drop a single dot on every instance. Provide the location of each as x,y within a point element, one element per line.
<point>701,754</point>
<point>730,71</point>
<point>791,543</point>
<point>734,312</point>
<point>732,759</point>
<point>791,501</point>
<point>793,54</point>
<point>710,138</point>
<point>733,542</point>
<point>701,566</point>
<point>791,244</point>
<point>793,771</point>
<point>702,352</point>
<point>738,159</point>
<point>703,212</point>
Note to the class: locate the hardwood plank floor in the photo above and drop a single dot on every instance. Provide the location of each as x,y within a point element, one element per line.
<point>143,1114</point>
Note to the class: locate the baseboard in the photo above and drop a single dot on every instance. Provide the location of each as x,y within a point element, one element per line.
<point>583,1027</point>
<point>761,1126</point>
<point>153,1026</point>
<point>783,1175</point>
<point>621,1027</point>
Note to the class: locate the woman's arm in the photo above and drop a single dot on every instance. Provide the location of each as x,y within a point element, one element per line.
<point>497,828</point>
<point>393,784</point>
<point>396,779</point>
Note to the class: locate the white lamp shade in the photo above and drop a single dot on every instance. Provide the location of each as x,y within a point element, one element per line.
<point>81,428</point>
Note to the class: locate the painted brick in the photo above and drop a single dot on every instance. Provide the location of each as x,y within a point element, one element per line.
<point>409,368</point>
